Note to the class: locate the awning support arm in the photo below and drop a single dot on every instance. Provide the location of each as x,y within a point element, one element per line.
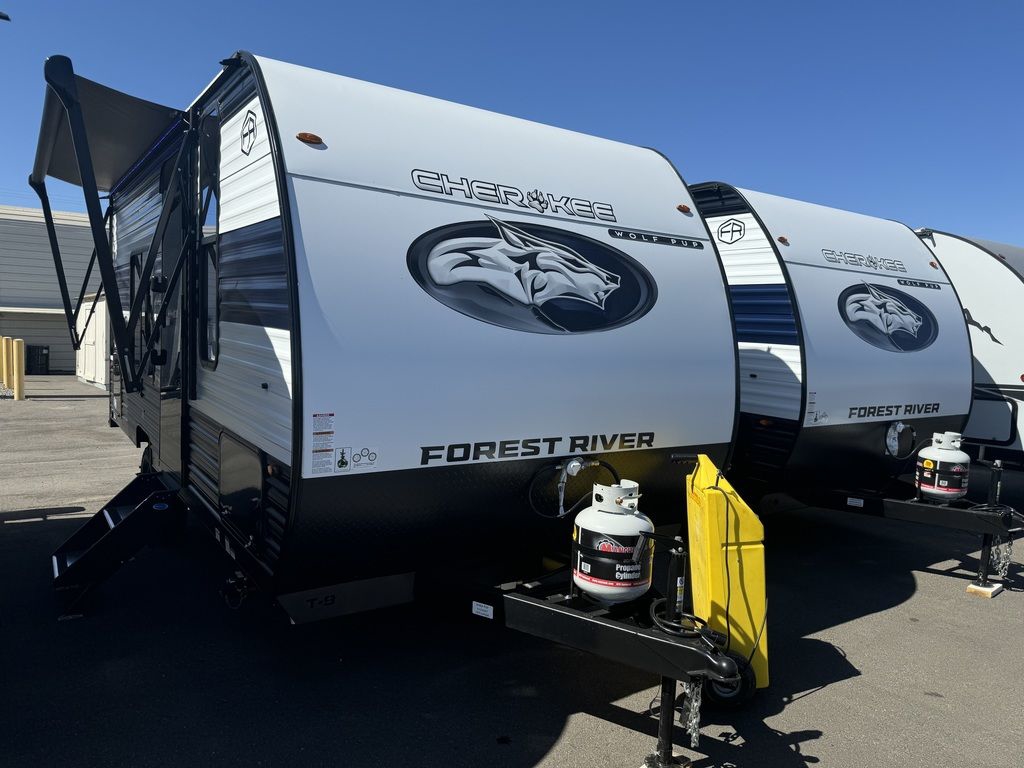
<point>60,77</point>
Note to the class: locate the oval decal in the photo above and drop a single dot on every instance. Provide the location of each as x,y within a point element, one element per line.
<point>530,277</point>
<point>887,318</point>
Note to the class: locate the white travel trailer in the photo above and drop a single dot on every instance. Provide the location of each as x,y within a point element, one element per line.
<point>352,324</point>
<point>989,277</point>
<point>853,347</point>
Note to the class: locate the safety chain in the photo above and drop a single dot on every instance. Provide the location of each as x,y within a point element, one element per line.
<point>1002,551</point>
<point>692,690</point>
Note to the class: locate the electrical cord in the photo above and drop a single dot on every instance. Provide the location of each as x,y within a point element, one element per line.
<point>533,484</point>
<point>894,476</point>
<point>757,640</point>
<point>998,509</point>
<point>913,448</point>
<point>694,625</point>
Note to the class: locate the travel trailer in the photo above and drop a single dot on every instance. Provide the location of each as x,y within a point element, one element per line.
<point>989,277</point>
<point>852,344</point>
<point>353,326</point>
<point>361,331</point>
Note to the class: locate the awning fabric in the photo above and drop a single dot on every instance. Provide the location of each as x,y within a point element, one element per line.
<point>119,128</point>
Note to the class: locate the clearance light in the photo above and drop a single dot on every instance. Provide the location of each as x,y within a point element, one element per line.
<point>783,239</point>
<point>308,138</point>
<point>683,208</point>
<point>933,265</point>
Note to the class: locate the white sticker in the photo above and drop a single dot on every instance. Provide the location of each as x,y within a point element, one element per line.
<point>364,458</point>
<point>482,609</point>
<point>323,461</point>
<point>323,421</point>
<point>343,459</point>
<point>322,444</point>
<point>323,439</point>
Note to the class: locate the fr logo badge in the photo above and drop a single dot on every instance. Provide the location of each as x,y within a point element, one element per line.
<point>731,230</point>
<point>248,132</point>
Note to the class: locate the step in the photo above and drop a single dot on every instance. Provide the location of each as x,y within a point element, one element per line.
<point>114,515</point>
<point>63,560</point>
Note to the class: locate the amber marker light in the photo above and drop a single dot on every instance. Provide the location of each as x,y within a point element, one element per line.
<point>683,208</point>
<point>783,239</point>
<point>308,138</point>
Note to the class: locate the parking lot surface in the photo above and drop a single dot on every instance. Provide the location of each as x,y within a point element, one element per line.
<point>878,657</point>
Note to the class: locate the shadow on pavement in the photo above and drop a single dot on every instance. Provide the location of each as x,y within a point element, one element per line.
<point>164,673</point>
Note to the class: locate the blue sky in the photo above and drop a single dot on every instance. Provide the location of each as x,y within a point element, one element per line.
<point>906,110</point>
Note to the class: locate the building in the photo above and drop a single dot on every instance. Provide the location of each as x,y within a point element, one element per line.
<point>30,300</point>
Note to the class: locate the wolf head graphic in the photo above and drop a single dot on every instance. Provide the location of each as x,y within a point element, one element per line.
<point>532,277</point>
<point>522,267</point>
<point>883,311</point>
<point>888,318</point>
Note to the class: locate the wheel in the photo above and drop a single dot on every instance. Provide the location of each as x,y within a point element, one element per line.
<point>146,463</point>
<point>734,695</point>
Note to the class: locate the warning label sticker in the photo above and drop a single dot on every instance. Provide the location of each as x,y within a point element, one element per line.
<point>323,461</point>
<point>322,444</point>
<point>323,440</point>
<point>323,421</point>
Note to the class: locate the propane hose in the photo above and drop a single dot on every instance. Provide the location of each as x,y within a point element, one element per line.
<point>568,469</point>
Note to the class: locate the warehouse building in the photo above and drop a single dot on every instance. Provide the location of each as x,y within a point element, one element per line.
<point>30,300</point>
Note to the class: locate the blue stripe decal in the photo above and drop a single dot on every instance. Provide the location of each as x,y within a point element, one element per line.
<point>253,276</point>
<point>764,314</point>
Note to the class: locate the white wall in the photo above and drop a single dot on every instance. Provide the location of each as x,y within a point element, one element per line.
<point>92,360</point>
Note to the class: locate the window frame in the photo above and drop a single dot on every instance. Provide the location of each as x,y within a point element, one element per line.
<point>209,256</point>
<point>209,250</point>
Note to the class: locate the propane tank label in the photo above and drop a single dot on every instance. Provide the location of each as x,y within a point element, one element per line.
<point>944,477</point>
<point>608,560</point>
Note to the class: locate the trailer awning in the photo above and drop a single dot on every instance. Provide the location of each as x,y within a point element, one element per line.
<point>119,128</point>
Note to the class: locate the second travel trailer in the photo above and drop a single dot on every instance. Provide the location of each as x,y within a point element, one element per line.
<point>852,343</point>
<point>989,277</point>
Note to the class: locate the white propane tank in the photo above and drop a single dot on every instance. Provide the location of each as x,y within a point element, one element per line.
<point>942,468</point>
<point>604,536</point>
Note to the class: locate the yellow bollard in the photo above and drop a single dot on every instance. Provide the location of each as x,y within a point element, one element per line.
<point>8,361</point>
<point>3,361</point>
<point>19,369</point>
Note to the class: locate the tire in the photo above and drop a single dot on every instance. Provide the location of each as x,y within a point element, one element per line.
<point>724,696</point>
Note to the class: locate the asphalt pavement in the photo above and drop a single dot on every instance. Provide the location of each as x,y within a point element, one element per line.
<point>878,656</point>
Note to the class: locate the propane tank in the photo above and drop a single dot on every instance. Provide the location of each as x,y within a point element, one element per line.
<point>604,537</point>
<point>942,468</point>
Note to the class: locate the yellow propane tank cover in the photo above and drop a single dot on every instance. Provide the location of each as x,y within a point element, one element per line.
<point>727,556</point>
